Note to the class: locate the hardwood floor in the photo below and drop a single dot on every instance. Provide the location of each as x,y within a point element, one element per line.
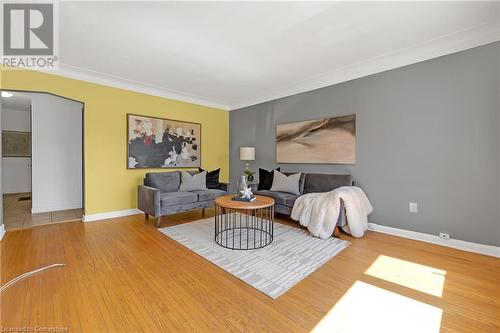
<point>122,275</point>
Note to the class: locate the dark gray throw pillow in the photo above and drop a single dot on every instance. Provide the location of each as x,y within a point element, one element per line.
<point>212,178</point>
<point>265,179</point>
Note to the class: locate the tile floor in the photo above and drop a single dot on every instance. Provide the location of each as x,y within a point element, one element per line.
<point>17,214</point>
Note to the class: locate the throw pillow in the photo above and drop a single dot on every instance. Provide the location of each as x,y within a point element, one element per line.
<point>212,178</point>
<point>284,183</point>
<point>265,179</point>
<point>193,182</point>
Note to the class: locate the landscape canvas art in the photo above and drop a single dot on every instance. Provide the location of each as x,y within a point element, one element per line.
<point>326,140</point>
<point>163,143</point>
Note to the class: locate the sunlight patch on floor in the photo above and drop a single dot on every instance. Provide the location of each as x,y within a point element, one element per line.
<point>426,279</point>
<point>366,308</point>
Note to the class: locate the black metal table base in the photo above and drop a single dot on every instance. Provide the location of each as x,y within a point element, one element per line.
<point>242,229</point>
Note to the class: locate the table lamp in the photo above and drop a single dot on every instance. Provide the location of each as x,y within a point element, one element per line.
<point>247,154</point>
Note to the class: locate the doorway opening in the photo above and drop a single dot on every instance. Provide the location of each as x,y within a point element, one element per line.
<point>42,159</point>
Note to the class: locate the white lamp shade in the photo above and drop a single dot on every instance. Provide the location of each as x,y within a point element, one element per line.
<point>247,153</point>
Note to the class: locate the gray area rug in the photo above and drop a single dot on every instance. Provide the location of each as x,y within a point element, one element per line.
<point>291,257</point>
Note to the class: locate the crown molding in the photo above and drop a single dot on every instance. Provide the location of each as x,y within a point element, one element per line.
<point>486,33</point>
<point>87,75</point>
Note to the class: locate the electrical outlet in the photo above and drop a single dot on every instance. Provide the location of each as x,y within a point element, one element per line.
<point>444,236</point>
<point>413,207</point>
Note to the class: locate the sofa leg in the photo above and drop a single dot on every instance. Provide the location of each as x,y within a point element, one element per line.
<point>146,216</point>
<point>158,221</point>
<point>336,232</point>
<point>203,212</point>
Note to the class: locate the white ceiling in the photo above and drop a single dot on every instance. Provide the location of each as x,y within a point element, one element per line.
<point>235,54</point>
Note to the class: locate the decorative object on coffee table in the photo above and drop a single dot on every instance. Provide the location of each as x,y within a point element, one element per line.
<point>242,184</point>
<point>245,194</point>
<point>253,185</point>
<point>244,225</point>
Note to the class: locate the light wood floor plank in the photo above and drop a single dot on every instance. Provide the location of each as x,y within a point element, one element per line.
<point>122,275</point>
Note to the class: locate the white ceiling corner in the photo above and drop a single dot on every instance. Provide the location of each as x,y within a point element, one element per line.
<point>230,55</point>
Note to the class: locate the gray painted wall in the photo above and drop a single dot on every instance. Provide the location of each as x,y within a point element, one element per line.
<point>426,133</point>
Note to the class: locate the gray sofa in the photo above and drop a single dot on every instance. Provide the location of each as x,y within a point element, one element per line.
<point>160,195</point>
<point>309,183</point>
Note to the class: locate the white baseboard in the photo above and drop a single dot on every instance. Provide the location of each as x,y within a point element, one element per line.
<point>47,209</point>
<point>110,215</point>
<point>488,250</point>
<point>2,231</point>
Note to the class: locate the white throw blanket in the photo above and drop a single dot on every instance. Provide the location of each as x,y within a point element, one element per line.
<point>319,212</point>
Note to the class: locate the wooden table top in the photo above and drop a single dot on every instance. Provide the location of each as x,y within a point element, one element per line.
<point>260,202</point>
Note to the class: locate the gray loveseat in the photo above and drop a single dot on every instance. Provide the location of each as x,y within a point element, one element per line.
<point>309,183</point>
<point>159,195</point>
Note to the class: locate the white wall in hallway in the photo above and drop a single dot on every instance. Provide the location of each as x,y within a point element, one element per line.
<point>56,153</point>
<point>16,175</point>
<point>16,171</point>
<point>16,120</point>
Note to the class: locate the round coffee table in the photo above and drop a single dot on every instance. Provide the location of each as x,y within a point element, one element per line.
<point>243,225</point>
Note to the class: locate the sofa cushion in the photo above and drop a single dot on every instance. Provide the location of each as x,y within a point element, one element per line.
<point>318,182</point>
<point>301,181</point>
<point>289,202</point>
<point>177,198</point>
<point>209,194</point>
<point>280,198</point>
<point>164,181</point>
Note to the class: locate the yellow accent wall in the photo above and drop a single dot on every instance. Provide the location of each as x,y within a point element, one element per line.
<point>109,185</point>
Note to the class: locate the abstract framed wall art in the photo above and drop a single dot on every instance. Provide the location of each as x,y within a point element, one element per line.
<point>162,143</point>
<point>326,140</point>
<point>16,144</point>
